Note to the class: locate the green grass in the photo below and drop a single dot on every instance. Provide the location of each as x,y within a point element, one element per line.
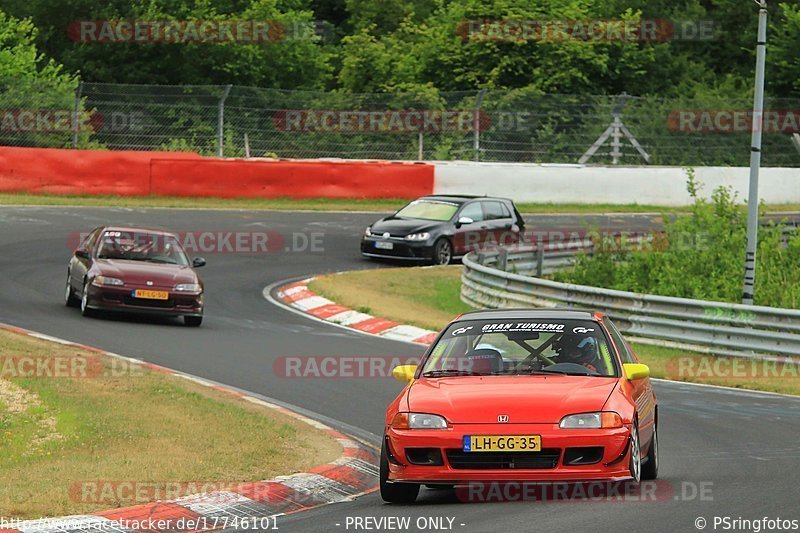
<point>429,297</point>
<point>320,204</point>
<point>144,426</point>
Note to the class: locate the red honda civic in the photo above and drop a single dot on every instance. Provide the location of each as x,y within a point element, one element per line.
<point>135,270</point>
<point>521,395</point>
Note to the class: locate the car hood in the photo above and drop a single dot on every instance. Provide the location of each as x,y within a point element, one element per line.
<point>525,399</point>
<point>140,272</point>
<point>403,226</point>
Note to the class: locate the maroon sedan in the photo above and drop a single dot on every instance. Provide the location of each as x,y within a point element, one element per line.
<point>135,270</point>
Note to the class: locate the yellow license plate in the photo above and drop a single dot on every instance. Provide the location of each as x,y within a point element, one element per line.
<point>502,443</point>
<point>151,295</point>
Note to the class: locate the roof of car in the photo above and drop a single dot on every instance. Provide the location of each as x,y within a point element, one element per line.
<point>125,229</point>
<point>460,198</point>
<point>523,314</point>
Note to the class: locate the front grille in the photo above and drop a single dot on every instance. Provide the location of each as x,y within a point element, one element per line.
<point>461,460</point>
<point>142,302</point>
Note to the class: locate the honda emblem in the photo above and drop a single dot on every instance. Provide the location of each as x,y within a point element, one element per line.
<point>502,418</point>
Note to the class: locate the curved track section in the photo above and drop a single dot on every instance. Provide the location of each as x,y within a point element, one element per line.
<point>724,453</point>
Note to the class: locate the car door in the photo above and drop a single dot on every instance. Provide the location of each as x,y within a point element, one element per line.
<point>471,235</point>
<point>500,223</point>
<point>81,260</point>
<point>642,389</point>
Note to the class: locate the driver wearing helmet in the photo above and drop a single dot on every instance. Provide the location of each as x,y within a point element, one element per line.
<point>577,349</point>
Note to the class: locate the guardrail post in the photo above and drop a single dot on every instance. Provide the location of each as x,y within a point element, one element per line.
<point>502,260</point>
<point>539,260</point>
<point>221,121</point>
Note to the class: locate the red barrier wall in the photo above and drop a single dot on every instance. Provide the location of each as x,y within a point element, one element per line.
<point>128,173</point>
<point>96,172</point>
<point>291,179</point>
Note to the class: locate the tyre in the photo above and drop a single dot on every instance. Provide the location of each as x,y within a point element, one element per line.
<point>394,492</point>
<point>192,321</point>
<point>635,462</point>
<point>442,252</point>
<point>650,467</point>
<point>85,309</point>
<point>69,295</point>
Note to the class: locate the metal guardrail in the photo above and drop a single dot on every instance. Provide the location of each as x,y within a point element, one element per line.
<point>512,278</point>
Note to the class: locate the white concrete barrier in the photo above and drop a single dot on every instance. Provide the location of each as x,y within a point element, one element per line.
<point>664,186</point>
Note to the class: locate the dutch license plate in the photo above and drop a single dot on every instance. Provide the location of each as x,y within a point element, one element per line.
<point>382,245</point>
<point>151,295</point>
<point>502,443</point>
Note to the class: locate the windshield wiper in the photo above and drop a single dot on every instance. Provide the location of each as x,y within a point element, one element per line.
<point>450,372</point>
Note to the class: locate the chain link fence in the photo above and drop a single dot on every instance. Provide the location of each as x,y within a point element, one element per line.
<point>513,126</point>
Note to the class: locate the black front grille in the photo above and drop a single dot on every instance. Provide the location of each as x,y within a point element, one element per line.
<point>145,302</point>
<point>401,249</point>
<point>461,460</point>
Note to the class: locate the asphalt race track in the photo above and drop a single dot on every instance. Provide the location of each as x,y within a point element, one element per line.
<point>723,453</point>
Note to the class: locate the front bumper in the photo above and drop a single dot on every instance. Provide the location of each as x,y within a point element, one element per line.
<point>111,298</point>
<point>611,466</point>
<point>401,249</point>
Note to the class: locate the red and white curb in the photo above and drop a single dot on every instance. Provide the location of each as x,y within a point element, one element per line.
<point>298,296</point>
<point>353,474</point>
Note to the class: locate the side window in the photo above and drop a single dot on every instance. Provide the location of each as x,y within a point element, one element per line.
<point>622,346</point>
<point>88,243</point>
<point>472,211</point>
<point>494,210</point>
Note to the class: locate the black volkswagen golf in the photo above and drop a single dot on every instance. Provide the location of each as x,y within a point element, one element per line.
<point>438,228</point>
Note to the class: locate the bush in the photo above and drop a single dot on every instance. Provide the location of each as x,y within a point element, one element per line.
<point>699,255</point>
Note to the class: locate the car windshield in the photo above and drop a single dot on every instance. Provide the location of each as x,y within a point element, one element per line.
<point>522,347</point>
<point>428,210</point>
<point>148,247</point>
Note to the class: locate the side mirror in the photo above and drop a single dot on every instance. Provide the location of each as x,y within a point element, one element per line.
<point>82,254</point>
<point>464,220</point>
<point>404,373</point>
<point>198,262</point>
<point>636,371</point>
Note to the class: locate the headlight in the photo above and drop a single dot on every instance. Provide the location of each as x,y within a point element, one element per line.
<point>418,237</point>
<point>105,280</point>
<point>187,287</point>
<point>368,232</point>
<point>606,419</point>
<point>418,421</point>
